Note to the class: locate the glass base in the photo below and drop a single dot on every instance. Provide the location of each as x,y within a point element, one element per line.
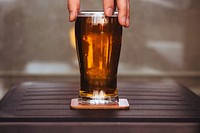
<point>105,100</point>
<point>98,97</point>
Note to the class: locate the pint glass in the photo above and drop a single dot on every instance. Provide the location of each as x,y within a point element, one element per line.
<point>98,44</point>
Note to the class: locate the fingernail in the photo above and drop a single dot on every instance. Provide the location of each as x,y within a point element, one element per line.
<point>127,22</point>
<point>71,16</point>
<point>123,20</point>
<point>109,11</point>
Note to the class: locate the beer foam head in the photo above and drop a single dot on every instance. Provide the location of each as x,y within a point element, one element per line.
<point>87,13</point>
<point>96,17</point>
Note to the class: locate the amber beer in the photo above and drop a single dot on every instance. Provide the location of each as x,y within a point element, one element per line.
<point>98,43</point>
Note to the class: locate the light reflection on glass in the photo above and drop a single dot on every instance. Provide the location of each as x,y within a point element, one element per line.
<point>72,37</point>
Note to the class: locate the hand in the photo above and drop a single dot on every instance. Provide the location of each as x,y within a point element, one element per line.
<point>108,6</point>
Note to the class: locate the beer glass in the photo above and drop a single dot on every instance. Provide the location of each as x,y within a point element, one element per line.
<point>98,45</point>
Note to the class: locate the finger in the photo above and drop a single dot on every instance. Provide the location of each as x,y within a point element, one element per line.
<point>73,7</point>
<point>123,8</point>
<point>128,14</point>
<point>108,6</point>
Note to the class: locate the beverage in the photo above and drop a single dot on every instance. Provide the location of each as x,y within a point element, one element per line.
<point>98,42</point>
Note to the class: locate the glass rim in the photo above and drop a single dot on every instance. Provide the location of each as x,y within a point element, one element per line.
<point>90,13</point>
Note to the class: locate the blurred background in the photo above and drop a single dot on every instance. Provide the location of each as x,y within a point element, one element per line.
<point>162,44</point>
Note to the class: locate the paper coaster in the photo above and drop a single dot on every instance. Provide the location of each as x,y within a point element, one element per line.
<point>122,104</point>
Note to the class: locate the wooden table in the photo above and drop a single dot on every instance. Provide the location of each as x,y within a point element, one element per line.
<point>154,108</point>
